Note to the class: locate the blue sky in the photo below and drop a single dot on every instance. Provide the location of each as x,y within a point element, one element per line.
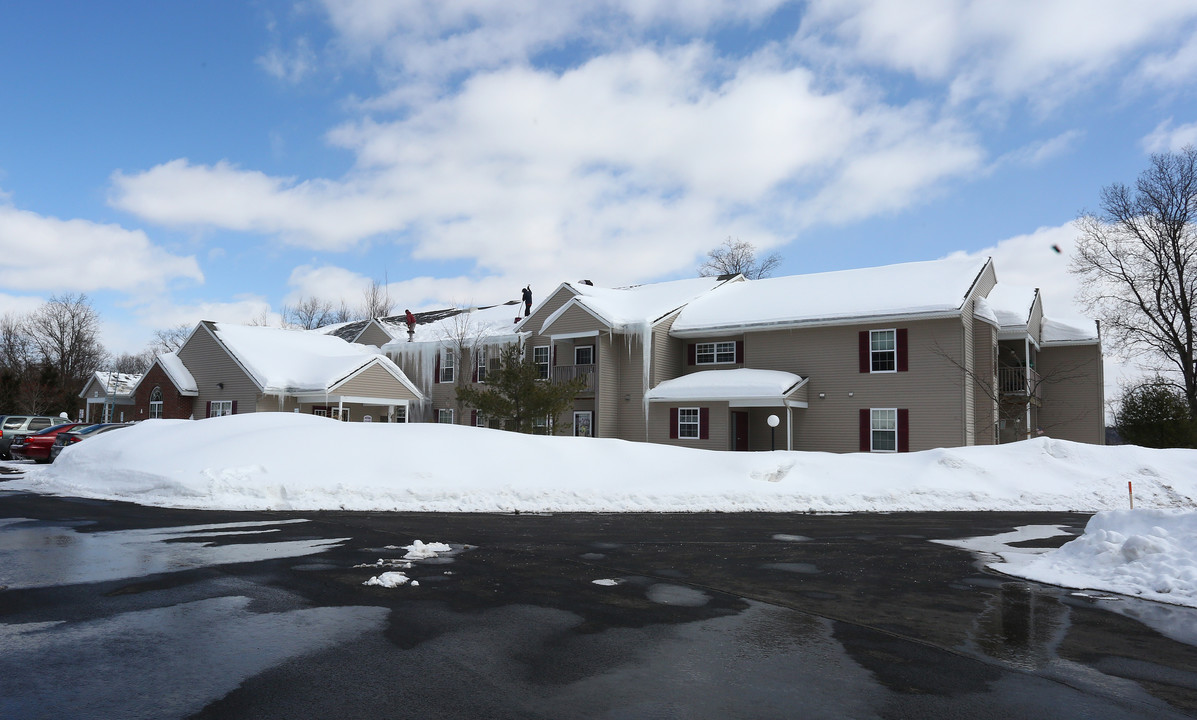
<point>217,160</point>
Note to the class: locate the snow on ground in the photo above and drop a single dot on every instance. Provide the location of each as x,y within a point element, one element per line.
<point>287,461</point>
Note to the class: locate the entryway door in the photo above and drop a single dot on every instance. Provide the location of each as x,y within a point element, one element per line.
<point>739,430</point>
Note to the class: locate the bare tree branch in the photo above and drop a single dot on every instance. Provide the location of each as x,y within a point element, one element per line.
<point>737,256</point>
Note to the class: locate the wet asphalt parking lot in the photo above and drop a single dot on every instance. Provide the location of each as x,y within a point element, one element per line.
<point>111,610</point>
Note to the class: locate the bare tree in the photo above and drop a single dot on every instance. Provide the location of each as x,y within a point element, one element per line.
<point>169,339</point>
<point>65,333</point>
<point>308,313</point>
<point>1137,260</point>
<point>133,363</point>
<point>736,256</point>
<point>376,301</point>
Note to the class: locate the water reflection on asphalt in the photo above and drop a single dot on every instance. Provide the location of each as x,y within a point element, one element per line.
<point>36,554</point>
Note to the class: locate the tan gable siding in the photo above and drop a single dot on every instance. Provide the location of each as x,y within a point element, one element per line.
<point>1035,324</point>
<point>985,381</point>
<point>533,322</point>
<point>210,364</point>
<point>1073,393</point>
<point>375,382</point>
<point>575,320</point>
<point>631,421</point>
<point>986,282</point>
<point>932,388</point>
<point>719,418</point>
<point>373,335</point>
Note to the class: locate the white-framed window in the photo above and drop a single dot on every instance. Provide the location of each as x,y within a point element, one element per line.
<point>884,429</point>
<point>479,419</point>
<point>583,355</point>
<point>341,414</point>
<point>688,423</point>
<point>711,353</point>
<point>540,356</point>
<point>583,423</point>
<point>883,351</point>
<point>445,416</point>
<point>221,407</point>
<point>541,425</point>
<point>400,414</point>
<point>156,403</point>
<point>320,412</point>
<point>448,365</point>
<point>480,364</point>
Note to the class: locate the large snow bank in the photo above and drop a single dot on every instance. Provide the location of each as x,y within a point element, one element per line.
<point>287,461</point>
<point>1148,553</point>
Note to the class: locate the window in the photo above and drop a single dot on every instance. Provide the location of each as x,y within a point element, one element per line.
<point>583,423</point>
<point>221,407</point>
<point>884,428</point>
<point>687,422</point>
<point>715,352</point>
<point>480,365</point>
<point>883,351</point>
<point>584,355</point>
<point>320,412</point>
<point>479,419</point>
<point>448,364</point>
<point>445,416</point>
<point>540,356</point>
<point>156,403</point>
<point>400,414</point>
<point>340,414</point>
<point>541,426</point>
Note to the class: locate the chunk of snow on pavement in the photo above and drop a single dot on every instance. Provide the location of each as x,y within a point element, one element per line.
<point>419,550</point>
<point>390,580</point>
<point>607,582</point>
<point>790,538</point>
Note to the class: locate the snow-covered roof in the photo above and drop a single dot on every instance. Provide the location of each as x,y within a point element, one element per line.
<point>495,323</point>
<point>920,288</point>
<point>118,384</point>
<point>982,310</point>
<point>1012,304</point>
<point>290,361</point>
<point>740,384</point>
<point>1055,332</point>
<point>178,373</point>
<point>624,307</point>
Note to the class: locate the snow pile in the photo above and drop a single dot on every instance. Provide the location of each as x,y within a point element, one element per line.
<point>391,580</point>
<point>419,550</point>
<point>289,461</point>
<point>1148,553</point>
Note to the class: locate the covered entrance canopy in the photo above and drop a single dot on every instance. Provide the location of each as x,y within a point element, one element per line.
<point>739,388</point>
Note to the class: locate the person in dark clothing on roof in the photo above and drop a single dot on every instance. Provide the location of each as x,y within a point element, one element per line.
<point>527,297</point>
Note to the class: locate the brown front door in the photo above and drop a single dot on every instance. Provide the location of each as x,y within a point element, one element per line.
<point>740,430</point>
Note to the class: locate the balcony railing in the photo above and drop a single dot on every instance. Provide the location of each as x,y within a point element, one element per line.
<point>565,373</point>
<point>1019,381</point>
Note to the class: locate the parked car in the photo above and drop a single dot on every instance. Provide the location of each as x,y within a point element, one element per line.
<point>78,434</point>
<point>37,446</point>
<point>18,426</point>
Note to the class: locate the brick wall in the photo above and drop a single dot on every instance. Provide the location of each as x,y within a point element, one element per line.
<point>174,405</point>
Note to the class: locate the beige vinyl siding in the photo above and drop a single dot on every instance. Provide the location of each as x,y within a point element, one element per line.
<point>93,388</point>
<point>606,395</point>
<point>931,389</point>
<point>1073,393</point>
<point>1035,323</point>
<point>539,315</point>
<point>717,430</point>
<point>210,364</point>
<point>970,363</point>
<point>374,382</point>
<point>669,353</point>
<point>373,335</point>
<point>985,282</point>
<point>575,320</point>
<point>687,368</point>
<point>984,382</point>
<point>631,420</point>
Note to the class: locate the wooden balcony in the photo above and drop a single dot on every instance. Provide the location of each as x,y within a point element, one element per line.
<point>565,373</point>
<point>1020,381</point>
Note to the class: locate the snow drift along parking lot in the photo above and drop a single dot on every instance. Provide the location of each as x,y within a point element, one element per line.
<point>287,461</point>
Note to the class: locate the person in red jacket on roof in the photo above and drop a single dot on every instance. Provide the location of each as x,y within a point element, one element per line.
<point>411,322</point>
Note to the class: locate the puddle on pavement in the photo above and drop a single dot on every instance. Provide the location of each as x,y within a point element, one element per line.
<point>804,568</point>
<point>36,554</point>
<point>667,594</point>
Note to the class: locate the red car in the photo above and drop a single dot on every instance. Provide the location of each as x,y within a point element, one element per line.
<point>37,447</point>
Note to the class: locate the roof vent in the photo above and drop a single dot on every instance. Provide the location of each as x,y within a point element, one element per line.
<point>586,282</point>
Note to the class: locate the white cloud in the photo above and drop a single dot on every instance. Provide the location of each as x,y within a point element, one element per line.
<point>19,304</point>
<point>630,161</point>
<point>293,65</point>
<point>1166,138</point>
<point>1176,69</point>
<point>244,309</point>
<point>41,253</point>
<point>1044,50</point>
<point>1041,151</point>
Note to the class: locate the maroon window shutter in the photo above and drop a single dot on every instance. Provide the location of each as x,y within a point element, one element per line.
<point>704,423</point>
<point>865,365</point>
<point>902,353</point>
<point>691,354</point>
<point>208,409</point>
<point>740,352</point>
<point>866,430</point>
<point>673,422</point>
<point>903,430</point>
<point>436,373</point>
<point>234,407</point>
<point>474,418</point>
